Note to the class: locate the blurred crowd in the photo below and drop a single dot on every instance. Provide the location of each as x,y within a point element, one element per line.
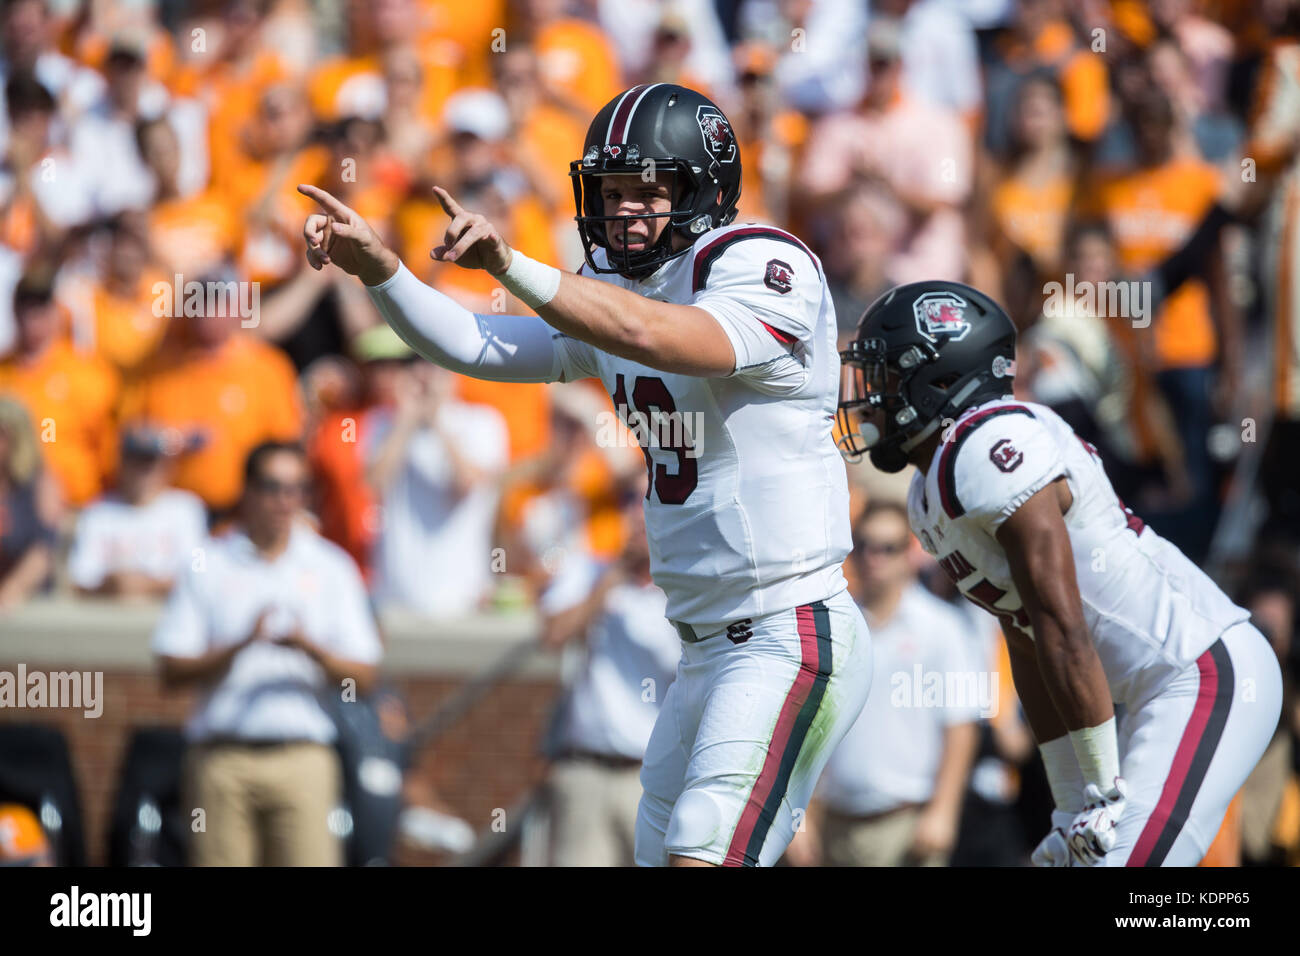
<point>158,321</point>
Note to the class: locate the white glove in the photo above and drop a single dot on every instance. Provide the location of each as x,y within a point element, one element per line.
<point>1092,832</point>
<point>1053,850</point>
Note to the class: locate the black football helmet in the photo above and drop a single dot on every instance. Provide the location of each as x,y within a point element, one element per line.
<point>653,130</point>
<point>924,352</point>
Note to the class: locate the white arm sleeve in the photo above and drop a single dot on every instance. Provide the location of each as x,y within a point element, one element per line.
<point>503,348</point>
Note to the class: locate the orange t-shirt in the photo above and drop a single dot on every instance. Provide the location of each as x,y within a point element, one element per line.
<point>419,226</point>
<point>346,503</point>
<point>1151,213</point>
<point>590,481</point>
<point>232,92</point>
<point>469,26</point>
<point>192,235</point>
<point>244,394</point>
<point>128,329</point>
<point>70,398</point>
<point>349,85</point>
<point>577,58</point>
<point>1085,85</point>
<point>265,197</point>
<point>552,139</point>
<point>790,131</point>
<point>1032,217</point>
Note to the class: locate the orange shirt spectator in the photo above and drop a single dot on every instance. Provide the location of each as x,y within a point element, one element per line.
<point>469,26</point>
<point>120,317</point>
<point>273,212</point>
<point>578,62</point>
<point>193,235</point>
<point>69,396</point>
<point>1151,212</point>
<point>1031,216</point>
<point>348,511</point>
<point>1082,74</point>
<point>231,90</point>
<point>229,390</point>
<point>419,226</point>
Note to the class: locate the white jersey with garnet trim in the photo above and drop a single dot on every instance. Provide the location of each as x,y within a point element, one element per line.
<point>1151,612</point>
<point>747,512</point>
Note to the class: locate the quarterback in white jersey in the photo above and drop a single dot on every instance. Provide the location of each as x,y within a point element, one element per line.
<point>1101,615</point>
<point>716,343</point>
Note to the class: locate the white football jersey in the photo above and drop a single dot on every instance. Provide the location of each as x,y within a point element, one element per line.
<point>1151,612</point>
<point>747,511</point>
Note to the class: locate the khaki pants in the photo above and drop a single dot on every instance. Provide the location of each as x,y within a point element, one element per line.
<point>593,813</point>
<point>266,806</point>
<point>883,840</point>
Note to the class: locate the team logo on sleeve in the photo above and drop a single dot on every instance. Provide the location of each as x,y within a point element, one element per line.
<point>715,129</point>
<point>779,276</point>
<point>1004,455</point>
<point>941,313</point>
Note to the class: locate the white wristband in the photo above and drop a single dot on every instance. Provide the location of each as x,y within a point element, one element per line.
<point>1097,750</point>
<point>533,283</point>
<point>1063,774</point>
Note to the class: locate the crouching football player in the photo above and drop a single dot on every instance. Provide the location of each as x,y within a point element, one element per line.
<point>1096,608</point>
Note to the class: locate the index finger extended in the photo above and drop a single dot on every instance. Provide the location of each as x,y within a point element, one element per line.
<point>326,201</point>
<point>449,205</point>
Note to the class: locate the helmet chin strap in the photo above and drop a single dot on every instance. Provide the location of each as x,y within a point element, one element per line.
<point>920,436</point>
<point>892,458</point>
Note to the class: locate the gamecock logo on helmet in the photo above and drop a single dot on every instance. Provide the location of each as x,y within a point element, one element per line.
<point>941,313</point>
<point>1005,456</point>
<point>779,277</point>
<point>717,134</point>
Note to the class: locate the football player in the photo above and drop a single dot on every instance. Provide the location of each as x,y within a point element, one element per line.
<point>717,344</point>
<point>1098,610</point>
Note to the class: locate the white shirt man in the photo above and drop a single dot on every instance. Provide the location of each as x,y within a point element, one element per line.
<point>155,539</point>
<point>631,658</point>
<point>605,718</point>
<point>433,552</point>
<point>268,618</point>
<point>270,691</point>
<point>925,683</point>
<point>893,789</point>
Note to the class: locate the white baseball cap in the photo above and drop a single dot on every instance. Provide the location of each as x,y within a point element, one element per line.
<point>480,112</point>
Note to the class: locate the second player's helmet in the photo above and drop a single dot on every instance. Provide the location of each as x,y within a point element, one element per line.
<point>657,130</point>
<point>923,353</point>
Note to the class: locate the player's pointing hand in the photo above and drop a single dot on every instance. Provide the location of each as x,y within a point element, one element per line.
<point>340,236</point>
<point>470,241</point>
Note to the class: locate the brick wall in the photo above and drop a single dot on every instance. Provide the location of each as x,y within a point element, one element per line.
<point>486,761</point>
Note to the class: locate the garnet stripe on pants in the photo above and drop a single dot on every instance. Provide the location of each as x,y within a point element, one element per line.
<point>797,713</point>
<point>1192,759</point>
